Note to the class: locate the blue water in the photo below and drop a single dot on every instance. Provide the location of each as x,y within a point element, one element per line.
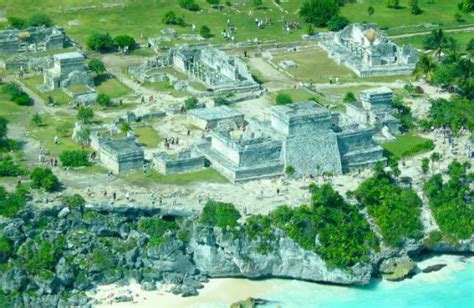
<point>444,289</point>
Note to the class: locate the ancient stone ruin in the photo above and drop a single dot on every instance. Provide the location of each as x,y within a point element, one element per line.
<point>33,39</point>
<point>68,69</point>
<point>366,50</point>
<point>303,137</point>
<point>219,72</point>
<point>118,154</point>
<point>209,118</point>
<point>375,109</point>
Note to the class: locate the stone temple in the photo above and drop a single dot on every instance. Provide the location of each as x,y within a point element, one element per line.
<point>366,50</point>
<point>68,69</point>
<point>375,109</point>
<point>219,72</point>
<point>304,136</point>
<point>33,39</point>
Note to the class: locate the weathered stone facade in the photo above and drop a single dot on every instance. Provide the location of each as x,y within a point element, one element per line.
<point>33,39</point>
<point>119,155</point>
<point>366,50</point>
<point>187,161</point>
<point>68,69</point>
<point>375,109</point>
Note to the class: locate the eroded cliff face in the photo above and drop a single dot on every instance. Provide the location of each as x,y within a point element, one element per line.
<point>218,253</point>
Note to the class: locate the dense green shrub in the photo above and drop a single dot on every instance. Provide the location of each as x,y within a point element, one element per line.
<point>74,158</point>
<point>156,228</point>
<point>35,20</point>
<point>455,113</point>
<point>349,97</point>
<point>12,203</point>
<point>101,42</point>
<point>8,167</point>
<point>319,12</point>
<point>125,41</point>
<point>283,99</point>
<point>205,32</point>
<point>96,66</point>
<point>75,202</point>
<point>191,103</point>
<point>104,100</point>
<point>337,23</point>
<point>219,214</point>
<point>171,18</point>
<point>395,210</point>
<point>44,178</point>
<point>17,95</point>
<point>6,249</point>
<point>189,5</point>
<point>451,202</point>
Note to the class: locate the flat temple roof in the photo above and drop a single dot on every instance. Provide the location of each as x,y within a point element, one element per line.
<point>69,55</point>
<point>300,109</point>
<point>378,90</point>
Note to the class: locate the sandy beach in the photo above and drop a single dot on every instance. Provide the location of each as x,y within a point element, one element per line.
<point>223,292</point>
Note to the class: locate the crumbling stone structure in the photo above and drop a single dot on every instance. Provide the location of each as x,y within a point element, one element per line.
<point>366,50</point>
<point>219,72</point>
<point>375,109</point>
<point>187,161</point>
<point>120,155</point>
<point>68,69</point>
<point>13,41</point>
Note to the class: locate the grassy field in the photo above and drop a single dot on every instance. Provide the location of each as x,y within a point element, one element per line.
<point>148,136</point>
<point>208,175</point>
<point>165,86</point>
<point>462,38</point>
<point>10,110</point>
<point>399,20</point>
<point>408,145</point>
<point>113,88</point>
<point>297,95</point>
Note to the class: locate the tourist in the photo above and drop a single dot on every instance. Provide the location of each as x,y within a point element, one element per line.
<point>127,196</point>
<point>114,196</point>
<point>105,193</point>
<point>189,132</point>
<point>56,139</point>
<point>88,191</point>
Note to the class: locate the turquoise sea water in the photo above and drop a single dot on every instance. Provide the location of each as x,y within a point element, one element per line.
<point>434,290</point>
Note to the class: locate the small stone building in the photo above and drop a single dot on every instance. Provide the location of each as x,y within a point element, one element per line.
<point>210,118</point>
<point>121,155</point>
<point>375,109</point>
<point>68,69</point>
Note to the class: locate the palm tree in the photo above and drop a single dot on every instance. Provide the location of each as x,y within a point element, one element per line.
<point>438,42</point>
<point>425,67</point>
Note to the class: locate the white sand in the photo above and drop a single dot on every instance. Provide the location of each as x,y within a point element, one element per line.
<point>223,292</point>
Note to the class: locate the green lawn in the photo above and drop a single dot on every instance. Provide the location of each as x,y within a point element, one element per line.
<point>164,86</point>
<point>12,111</point>
<point>113,88</point>
<point>59,97</point>
<point>408,145</point>
<point>462,38</point>
<point>441,13</point>
<point>143,52</point>
<point>148,136</point>
<point>207,175</point>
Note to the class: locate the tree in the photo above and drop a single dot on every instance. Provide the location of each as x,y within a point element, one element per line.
<point>395,4</point>
<point>438,42</point>
<point>319,12</point>
<point>126,127</point>
<point>96,66</point>
<point>337,23</point>
<point>220,214</point>
<point>470,48</point>
<point>370,11</point>
<point>425,165</point>
<point>466,6</point>
<point>191,103</point>
<point>214,2</point>
<point>85,114</point>
<point>189,5</point>
<point>37,120</point>
<point>283,99</point>
<point>205,32</point>
<point>425,68</point>
<point>414,7</point>
<point>349,97</point>
<point>258,3</point>
<point>123,41</point>
<point>101,42</point>
<point>44,178</point>
<point>171,18</point>
<point>3,128</point>
<point>40,19</point>
<point>104,100</point>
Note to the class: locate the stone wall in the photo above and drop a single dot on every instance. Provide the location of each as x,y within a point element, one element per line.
<point>168,165</point>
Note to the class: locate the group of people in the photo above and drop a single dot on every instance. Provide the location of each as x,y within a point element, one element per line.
<point>261,23</point>
<point>291,25</point>
<point>171,141</point>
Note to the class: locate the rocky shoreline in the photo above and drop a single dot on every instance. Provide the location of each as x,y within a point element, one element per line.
<point>99,245</point>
